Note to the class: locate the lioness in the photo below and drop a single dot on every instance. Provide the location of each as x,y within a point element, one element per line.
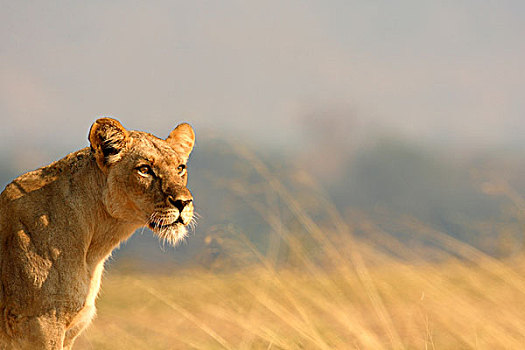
<point>58,225</point>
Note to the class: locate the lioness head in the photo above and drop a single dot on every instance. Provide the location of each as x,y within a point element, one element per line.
<point>146,176</point>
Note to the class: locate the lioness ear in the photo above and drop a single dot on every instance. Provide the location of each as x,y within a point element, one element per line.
<point>182,139</point>
<point>107,137</point>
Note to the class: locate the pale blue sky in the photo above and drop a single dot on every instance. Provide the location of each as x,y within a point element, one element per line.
<point>436,71</point>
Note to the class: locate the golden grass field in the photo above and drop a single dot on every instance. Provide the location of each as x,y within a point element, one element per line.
<point>450,305</point>
<point>336,290</point>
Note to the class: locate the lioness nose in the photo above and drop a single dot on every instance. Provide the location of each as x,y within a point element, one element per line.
<point>179,203</point>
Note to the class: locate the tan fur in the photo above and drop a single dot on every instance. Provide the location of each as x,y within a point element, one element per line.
<point>58,225</point>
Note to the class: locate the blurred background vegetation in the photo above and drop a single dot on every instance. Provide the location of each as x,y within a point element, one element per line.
<point>358,172</point>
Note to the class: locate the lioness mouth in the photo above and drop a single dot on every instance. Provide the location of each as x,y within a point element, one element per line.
<point>158,226</point>
<point>154,226</point>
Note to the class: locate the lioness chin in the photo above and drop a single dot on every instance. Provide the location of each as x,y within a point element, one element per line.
<point>58,225</point>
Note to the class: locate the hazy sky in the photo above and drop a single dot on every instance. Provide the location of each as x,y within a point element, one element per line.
<point>450,71</point>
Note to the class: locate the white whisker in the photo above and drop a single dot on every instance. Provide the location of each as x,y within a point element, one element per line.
<point>165,226</point>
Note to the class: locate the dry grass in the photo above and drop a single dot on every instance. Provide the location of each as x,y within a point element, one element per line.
<point>450,305</point>
<point>336,291</point>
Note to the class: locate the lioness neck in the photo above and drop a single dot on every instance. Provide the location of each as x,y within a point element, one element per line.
<point>103,231</point>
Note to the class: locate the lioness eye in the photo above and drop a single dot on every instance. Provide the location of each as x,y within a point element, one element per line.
<point>144,170</point>
<point>181,169</point>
